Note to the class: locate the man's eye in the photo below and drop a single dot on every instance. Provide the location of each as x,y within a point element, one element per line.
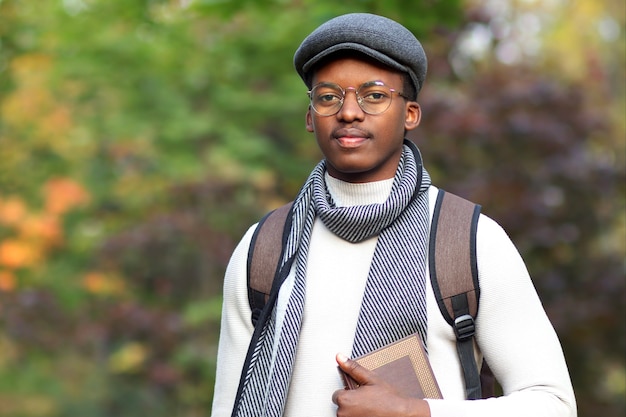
<point>328,98</point>
<point>374,96</point>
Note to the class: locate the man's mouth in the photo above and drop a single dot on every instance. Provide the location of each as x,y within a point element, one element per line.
<point>350,138</point>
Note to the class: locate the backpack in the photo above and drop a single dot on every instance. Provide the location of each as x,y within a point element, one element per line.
<point>453,274</point>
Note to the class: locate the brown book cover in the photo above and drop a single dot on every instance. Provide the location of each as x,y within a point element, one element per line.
<point>403,364</point>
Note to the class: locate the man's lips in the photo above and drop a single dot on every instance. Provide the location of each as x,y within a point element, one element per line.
<point>350,138</point>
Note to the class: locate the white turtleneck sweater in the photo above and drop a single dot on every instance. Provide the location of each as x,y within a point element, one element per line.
<point>513,331</point>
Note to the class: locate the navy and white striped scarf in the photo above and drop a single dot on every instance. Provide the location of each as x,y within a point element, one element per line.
<point>394,302</point>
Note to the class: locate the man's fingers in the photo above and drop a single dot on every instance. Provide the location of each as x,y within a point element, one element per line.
<point>361,375</point>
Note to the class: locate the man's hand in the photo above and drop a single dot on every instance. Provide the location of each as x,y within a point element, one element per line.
<point>374,397</point>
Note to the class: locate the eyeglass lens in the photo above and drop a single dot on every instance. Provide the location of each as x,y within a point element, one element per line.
<point>373,97</point>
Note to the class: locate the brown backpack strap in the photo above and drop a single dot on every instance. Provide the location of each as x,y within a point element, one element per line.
<point>264,256</point>
<point>454,276</point>
<point>453,253</point>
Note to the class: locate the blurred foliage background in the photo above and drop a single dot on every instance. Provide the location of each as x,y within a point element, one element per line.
<point>139,140</point>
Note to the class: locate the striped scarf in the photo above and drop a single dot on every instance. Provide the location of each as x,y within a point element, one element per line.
<point>394,302</point>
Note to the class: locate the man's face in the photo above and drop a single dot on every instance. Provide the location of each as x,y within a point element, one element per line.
<point>361,147</point>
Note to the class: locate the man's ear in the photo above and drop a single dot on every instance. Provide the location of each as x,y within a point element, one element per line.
<point>413,115</point>
<point>309,121</point>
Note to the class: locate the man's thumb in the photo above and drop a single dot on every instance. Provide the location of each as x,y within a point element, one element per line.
<point>360,375</point>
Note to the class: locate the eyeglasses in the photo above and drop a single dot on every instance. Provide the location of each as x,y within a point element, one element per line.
<point>373,97</point>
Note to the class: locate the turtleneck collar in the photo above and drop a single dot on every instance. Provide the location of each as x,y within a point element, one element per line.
<point>347,194</point>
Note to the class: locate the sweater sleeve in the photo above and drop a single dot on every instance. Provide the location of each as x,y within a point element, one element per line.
<point>516,338</point>
<point>235,332</point>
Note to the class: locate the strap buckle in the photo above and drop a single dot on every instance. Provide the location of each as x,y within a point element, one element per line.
<point>464,327</point>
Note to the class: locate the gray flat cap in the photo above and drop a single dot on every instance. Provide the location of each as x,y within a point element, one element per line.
<point>376,36</point>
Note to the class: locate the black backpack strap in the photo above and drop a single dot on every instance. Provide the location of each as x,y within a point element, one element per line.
<point>454,276</point>
<point>264,255</point>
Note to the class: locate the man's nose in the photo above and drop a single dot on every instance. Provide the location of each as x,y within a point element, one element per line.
<point>351,109</point>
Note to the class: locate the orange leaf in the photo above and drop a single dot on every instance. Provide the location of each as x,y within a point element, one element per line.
<point>44,229</point>
<point>94,282</point>
<point>18,254</point>
<point>102,284</point>
<point>63,194</point>
<point>12,210</point>
<point>8,282</point>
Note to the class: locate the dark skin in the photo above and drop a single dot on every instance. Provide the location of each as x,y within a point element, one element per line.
<point>374,397</point>
<point>360,148</point>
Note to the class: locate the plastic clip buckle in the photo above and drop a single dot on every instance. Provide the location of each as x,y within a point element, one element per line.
<point>464,327</point>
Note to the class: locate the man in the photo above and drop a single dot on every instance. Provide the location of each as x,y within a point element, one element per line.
<point>356,261</point>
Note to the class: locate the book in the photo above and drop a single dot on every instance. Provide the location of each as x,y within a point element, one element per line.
<point>404,365</point>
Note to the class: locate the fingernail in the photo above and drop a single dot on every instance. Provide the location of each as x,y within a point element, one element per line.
<point>341,357</point>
